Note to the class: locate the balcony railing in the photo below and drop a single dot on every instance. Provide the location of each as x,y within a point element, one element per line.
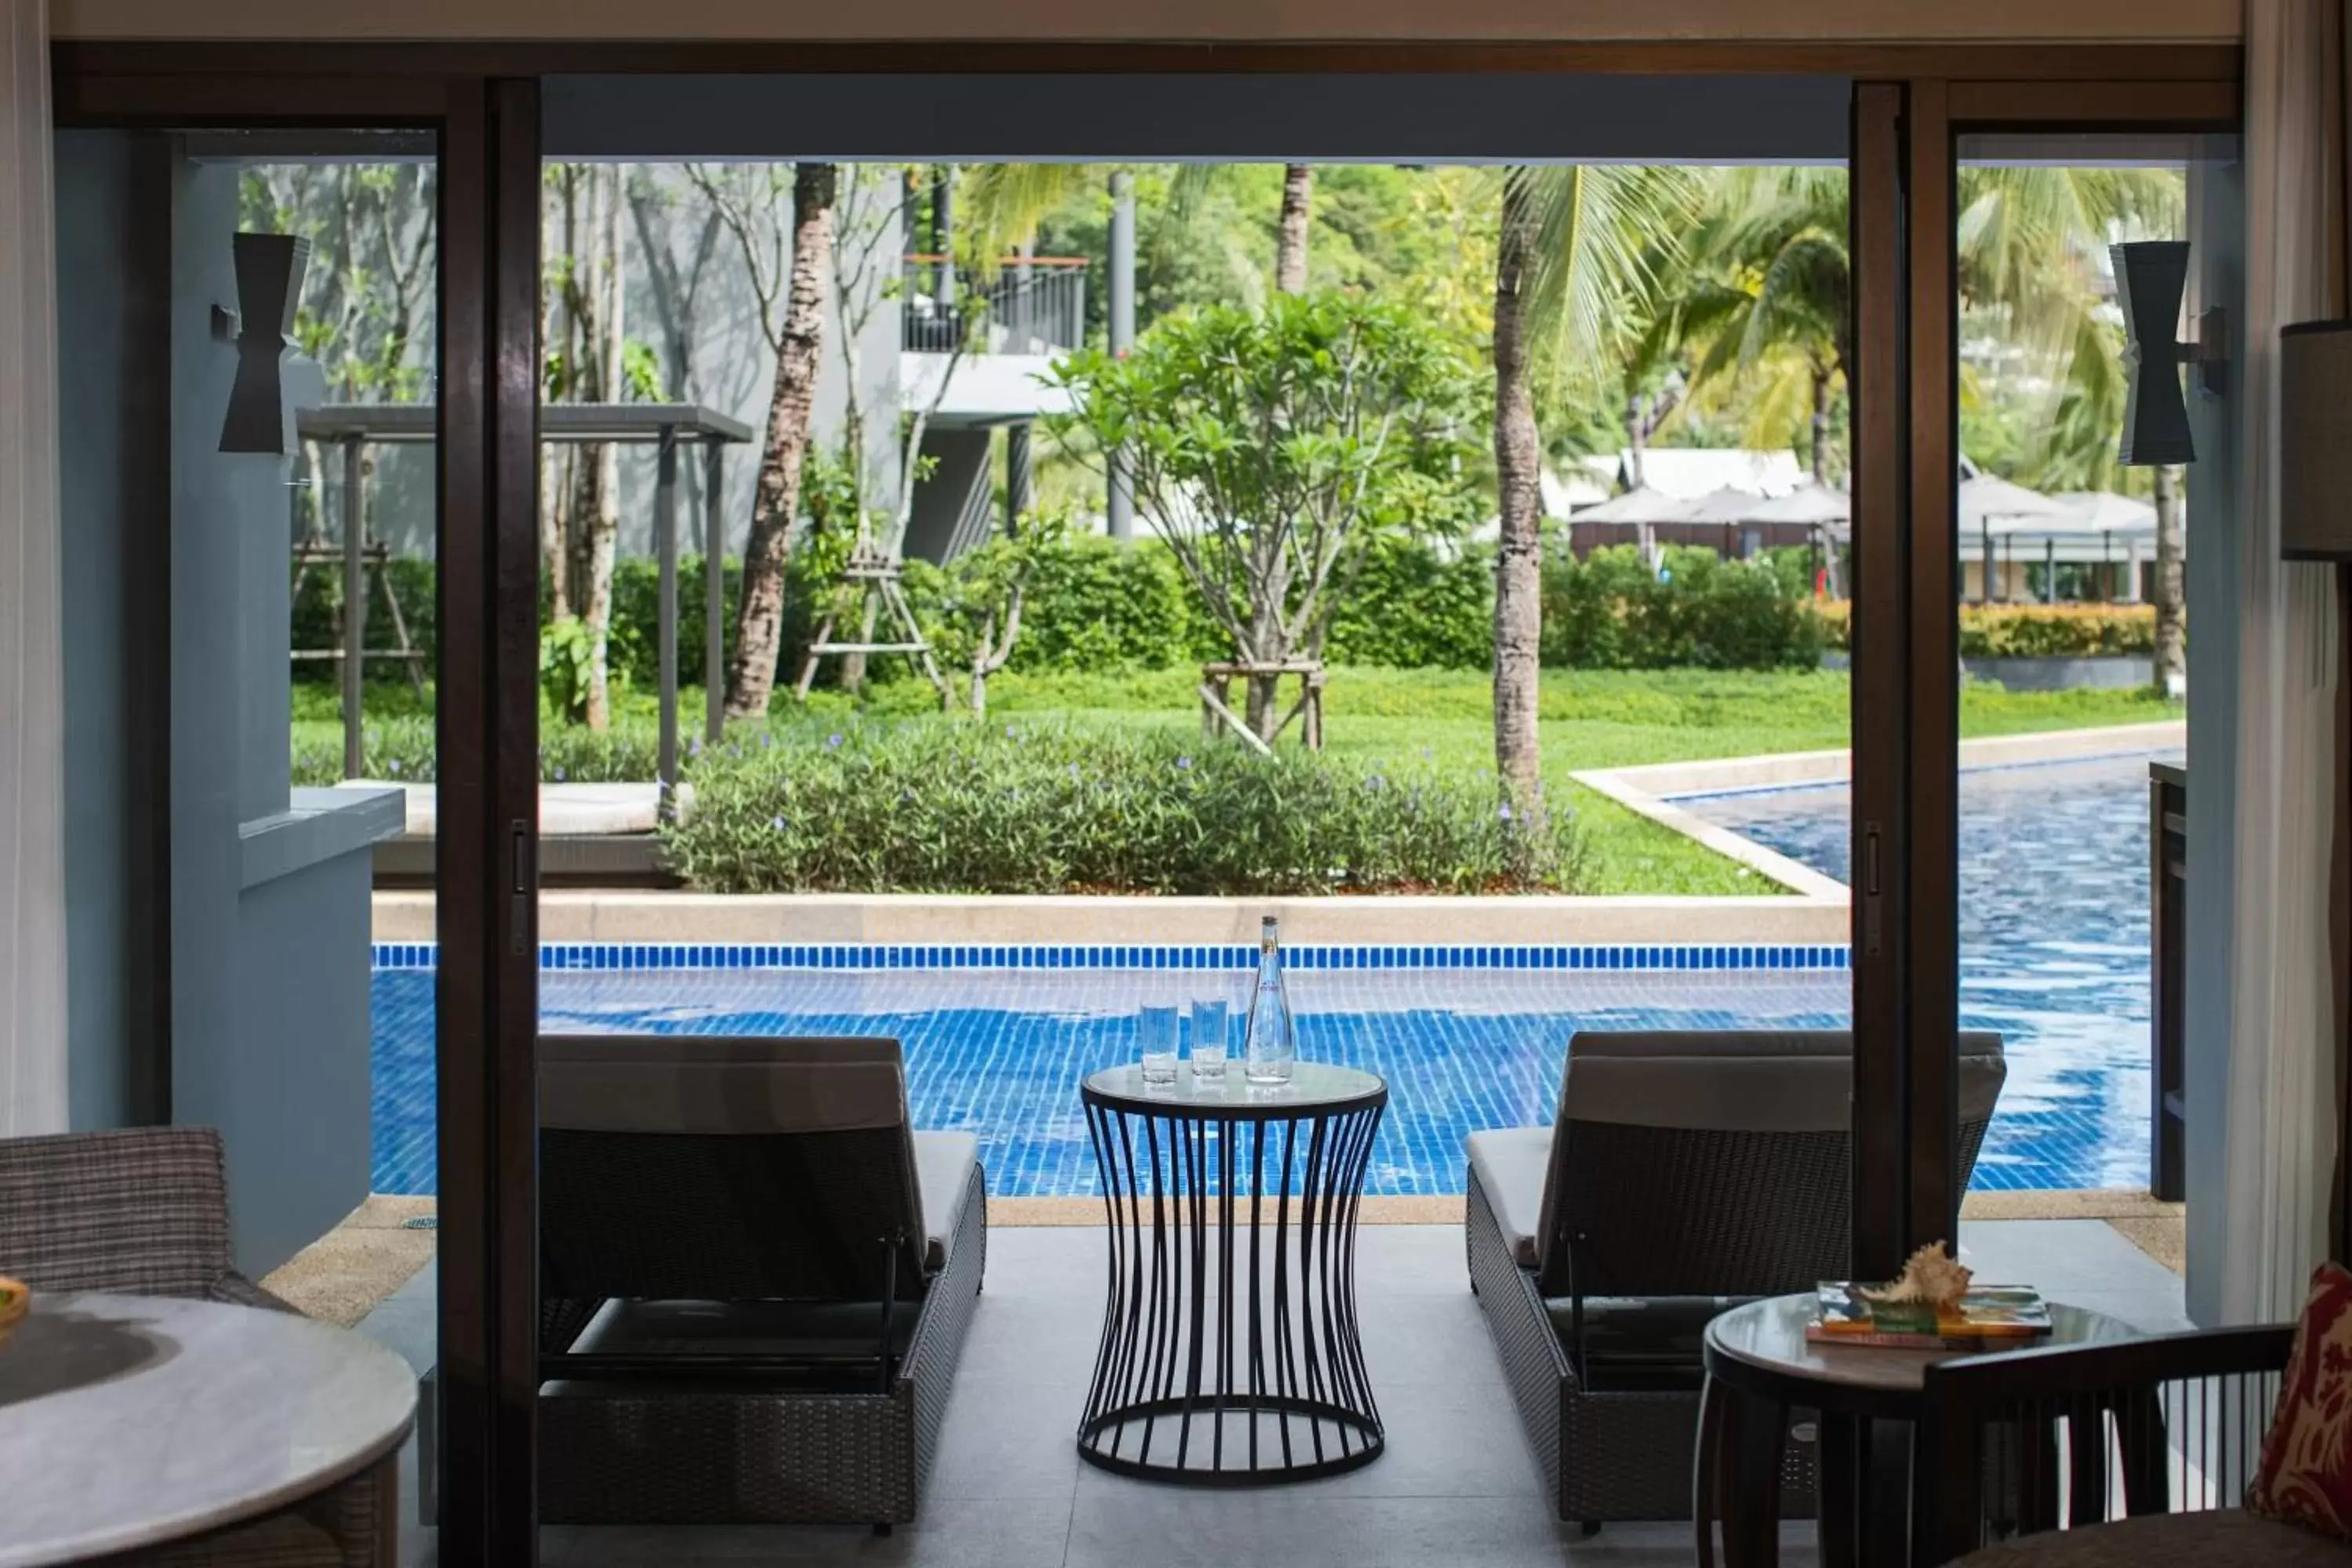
<point>1034,305</point>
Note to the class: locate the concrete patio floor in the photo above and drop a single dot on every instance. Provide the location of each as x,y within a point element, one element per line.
<point>1456,1485</point>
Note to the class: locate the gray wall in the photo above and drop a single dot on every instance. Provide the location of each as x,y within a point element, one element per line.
<point>733,371</point>
<point>943,501</point>
<point>113,493</point>
<point>2217,229</point>
<point>288,1085</point>
<point>179,705</point>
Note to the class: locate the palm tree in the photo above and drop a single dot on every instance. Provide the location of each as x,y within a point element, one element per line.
<point>796,332</point>
<point>1772,288</point>
<point>1577,265</point>
<point>1290,235</point>
<point>1772,292</point>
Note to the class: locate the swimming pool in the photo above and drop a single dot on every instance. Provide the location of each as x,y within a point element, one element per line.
<point>2054,947</point>
<point>2054,955</point>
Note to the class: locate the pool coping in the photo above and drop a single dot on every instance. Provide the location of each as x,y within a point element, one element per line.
<point>1655,790</point>
<point>667,916</point>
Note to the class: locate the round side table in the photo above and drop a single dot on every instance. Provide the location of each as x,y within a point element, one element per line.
<point>1230,1354</point>
<point>1760,1366</point>
<point>130,1421</point>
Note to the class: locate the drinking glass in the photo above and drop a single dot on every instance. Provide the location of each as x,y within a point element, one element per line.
<point>1211,1021</point>
<point>1155,1031</point>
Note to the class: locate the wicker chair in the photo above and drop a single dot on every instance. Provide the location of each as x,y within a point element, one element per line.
<point>2165,1431</point>
<point>1685,1172</point>
<point>756,1280</point>
<point>145,1211</point>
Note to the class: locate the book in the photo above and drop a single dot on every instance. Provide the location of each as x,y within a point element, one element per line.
<point>1987,1318</point>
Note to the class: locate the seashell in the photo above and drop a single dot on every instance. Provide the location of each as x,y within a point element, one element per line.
<point>1930,1275</point>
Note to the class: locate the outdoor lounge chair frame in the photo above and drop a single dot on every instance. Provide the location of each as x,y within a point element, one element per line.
<point>759,1444</point>
<point>736,1377</point>
<point>1619,1448</point>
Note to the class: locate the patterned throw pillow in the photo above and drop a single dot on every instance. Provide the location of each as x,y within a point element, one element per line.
<point>2307,1470</point>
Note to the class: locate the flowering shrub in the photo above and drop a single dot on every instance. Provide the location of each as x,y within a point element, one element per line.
<point>937,805</point>
<point>2034,631</point>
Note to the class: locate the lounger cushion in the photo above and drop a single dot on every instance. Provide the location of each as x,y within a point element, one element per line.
<point>719,1084</point>
<point>1512,1165</point>
<point>2219,1538</point>
<point>944,1162</point>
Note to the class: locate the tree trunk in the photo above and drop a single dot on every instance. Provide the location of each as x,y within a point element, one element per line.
<point>1290,240</point>
<point>2171,612</point>
<point>1821,464</point>
<point>603,520</point>
<point>1518,609</point>
<point>760,617</point>
<point>555,465</point>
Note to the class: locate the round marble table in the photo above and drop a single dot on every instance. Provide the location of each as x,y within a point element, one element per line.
<point>1760,1366</point>
<point>1229,1353</point>
<point>130,1421</point>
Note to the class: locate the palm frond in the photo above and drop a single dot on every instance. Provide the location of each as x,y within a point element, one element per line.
<point>1002,204</point>
<point>1605,235</point>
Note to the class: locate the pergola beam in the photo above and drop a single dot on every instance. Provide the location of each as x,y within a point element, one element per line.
<point>353,427</point>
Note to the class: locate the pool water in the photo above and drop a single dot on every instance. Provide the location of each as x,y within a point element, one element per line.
<point>2053,949</point>
<point>2054,955</point>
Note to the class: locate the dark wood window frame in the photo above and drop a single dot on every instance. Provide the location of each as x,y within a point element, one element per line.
<point>1906,728</point>
<point>482,101</point>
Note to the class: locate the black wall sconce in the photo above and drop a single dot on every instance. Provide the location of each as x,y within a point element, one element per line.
<point>269,268</point>
<point>2151,278</point>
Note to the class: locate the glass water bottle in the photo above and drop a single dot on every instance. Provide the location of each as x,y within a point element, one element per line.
<point>1273,1041</point>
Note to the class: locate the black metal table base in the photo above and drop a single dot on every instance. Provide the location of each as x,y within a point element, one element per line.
<point>1231,1354</point>
<point>1235,1444</point>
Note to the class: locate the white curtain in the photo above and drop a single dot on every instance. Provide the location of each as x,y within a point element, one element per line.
<point>2281,1124</point>
<point>32,650</point>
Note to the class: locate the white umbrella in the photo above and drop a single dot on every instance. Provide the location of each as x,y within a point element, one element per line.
<point>2104,511</point>
<point>1640,509</point>
<point>2094,521</point>
<point>1640,505</point>
<point>1985,500</point>
<point>1727,504</point>
<point>1815,504</point>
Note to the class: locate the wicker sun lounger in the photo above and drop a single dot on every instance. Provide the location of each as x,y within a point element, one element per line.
<point>1685,1172</point>
<point>755,1281</point>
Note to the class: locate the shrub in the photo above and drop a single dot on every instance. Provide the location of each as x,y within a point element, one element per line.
<point>1096,606</point>
<point>2032,631</point>
<point>1411,607</point>
<point>321,601</point>
<point>1608,611</point>
<point>402,751</point>
<point>938,805</point>
<point>2056,631</point>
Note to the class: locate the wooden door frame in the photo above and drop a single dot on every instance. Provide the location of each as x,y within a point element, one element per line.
<point>485,1001</point>
<point>1906,752</point>
<point>481,100</point>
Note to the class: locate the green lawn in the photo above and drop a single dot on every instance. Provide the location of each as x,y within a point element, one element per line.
<point>1591,720</point>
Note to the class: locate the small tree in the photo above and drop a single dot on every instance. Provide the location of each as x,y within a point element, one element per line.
<point>1265,450</point>
<point>976,621</point>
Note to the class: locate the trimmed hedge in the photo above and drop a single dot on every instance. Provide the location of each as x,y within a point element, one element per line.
<point>1095,607</point>
<point>1609,612</point>
<point>2034,631</point>
<point>941,805</point>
